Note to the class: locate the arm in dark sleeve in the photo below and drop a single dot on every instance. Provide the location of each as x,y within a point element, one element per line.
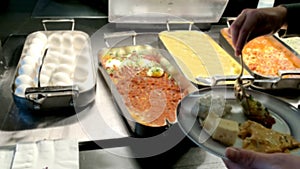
<point>293,27</point>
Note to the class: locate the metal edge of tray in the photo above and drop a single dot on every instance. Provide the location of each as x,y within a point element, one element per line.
<point>287,46</point>
<point>135,129</point>
<point>80,100</point>
<point>138,129</point>
<point>270,85</point>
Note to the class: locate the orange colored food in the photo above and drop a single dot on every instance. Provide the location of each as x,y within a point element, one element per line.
<point>151,100</point>
<point>265,55</point>
<point>265,58</point>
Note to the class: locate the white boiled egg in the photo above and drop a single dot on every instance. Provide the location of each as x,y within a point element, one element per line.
<point>29,60</point>
<point>113,63</point>
<point>39,36</point>
<point>35,50</point>
<point>67,40</point>
<point>67,59</point>
<point>24,79</point>
<point>27,69</point>
<point>20,90</point>
<point>44,80</point>
<point>55,39</point>
<point>61,77</point>
<point>52,57</point>
<point>79,41</point>
<point>155,72</point>
<point>48,68</point>
<point>81,74</point>
<point>69,69</point>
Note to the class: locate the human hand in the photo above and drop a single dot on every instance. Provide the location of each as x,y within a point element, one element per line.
<point>246,159</point>
<point>252,23</point>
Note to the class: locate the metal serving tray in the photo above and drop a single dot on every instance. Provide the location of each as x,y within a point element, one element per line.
<point>201,59</point>
<point>148,44</point>
<point>292,43</point>
<point>56,70</point>
<point>286,79</point>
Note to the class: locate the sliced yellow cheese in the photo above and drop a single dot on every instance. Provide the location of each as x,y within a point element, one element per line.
<point>197,54</point>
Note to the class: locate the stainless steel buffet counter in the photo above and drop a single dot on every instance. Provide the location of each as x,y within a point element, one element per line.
<point>104,140</point>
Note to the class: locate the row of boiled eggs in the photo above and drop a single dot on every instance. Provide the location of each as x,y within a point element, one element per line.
<point>65,54</point>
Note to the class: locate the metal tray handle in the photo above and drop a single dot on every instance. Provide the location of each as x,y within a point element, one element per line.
<point>44,22</point>
<point>215,80</point>
<point>229,21</point>
<point>190,23</point>
<point>281,73</point>
<point>107,36</point>
<point>52,96</point>
<point>288,72</point>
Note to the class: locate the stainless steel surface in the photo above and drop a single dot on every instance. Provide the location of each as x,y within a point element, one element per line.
<point>153,11</point>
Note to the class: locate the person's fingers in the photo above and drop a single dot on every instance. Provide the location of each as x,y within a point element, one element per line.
<point>250,159</point>
<point>245,159</point>
<point>232,154</point>
<point>235,27</point>
<point>232,165</point>
<point>240,156</point>
<point>235,31</point>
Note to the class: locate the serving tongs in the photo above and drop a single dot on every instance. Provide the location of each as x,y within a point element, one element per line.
<point>253,109</point>
<point>239,89</point>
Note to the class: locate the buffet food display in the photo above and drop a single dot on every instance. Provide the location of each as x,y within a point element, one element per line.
<point>145,85</point>
<point>265,56</point>
<point>55,69</point>
<point>274,66</point>
<point>145,80</point>
<point>199,56</point>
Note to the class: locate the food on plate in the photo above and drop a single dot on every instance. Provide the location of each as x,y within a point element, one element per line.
<point>253,109</point>
<point>214,103</point>
<point>148,90</point>
<point>211,108</point>
<point>226,131</point>
<point>198,55</point>
<point>258,138</point>
<point>257,112</point>
<point>266,56</point>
